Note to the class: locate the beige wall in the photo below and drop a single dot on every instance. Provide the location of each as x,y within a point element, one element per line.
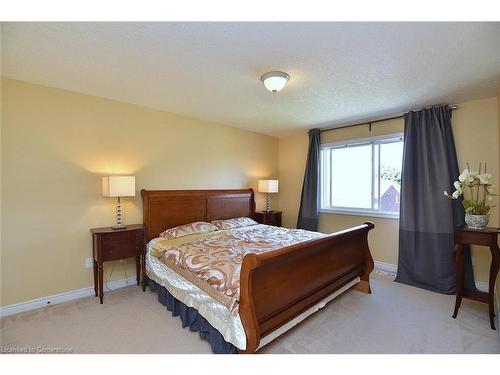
<point>56,144</point>
<point>475,126</point>
<point>497,286</point>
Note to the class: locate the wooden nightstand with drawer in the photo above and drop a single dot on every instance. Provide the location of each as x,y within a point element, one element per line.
<point>269,217</point>
<point>110,244</point>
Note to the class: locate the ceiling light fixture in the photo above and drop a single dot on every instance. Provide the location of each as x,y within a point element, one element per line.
<point>275,81</point>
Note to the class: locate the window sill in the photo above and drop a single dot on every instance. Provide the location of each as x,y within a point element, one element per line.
<point>384,215</point>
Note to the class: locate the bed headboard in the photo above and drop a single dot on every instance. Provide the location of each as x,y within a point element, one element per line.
<point>168,208</point>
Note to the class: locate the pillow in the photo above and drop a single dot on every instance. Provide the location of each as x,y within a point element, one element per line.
<point>234,223</point>
<point>188,229</point>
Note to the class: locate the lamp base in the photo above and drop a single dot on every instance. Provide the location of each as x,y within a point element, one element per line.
<point>118,225</point>
<point>268,203</point>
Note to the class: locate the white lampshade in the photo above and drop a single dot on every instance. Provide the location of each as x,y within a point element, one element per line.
<point>118,186</point>
<point>268,186</point>
<point>275,81</point>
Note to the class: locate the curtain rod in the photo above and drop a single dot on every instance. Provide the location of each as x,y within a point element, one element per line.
<point>373,120</point>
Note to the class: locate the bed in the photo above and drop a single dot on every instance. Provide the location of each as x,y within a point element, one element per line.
<point>277,288</point>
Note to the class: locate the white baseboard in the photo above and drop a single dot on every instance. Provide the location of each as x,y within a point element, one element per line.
<point>390,269</point>
<point>387,269</point>
<point>62,297</point>
<point>384,268</point>
<point>482,287</point>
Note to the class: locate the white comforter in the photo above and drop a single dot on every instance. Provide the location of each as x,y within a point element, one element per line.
<point>218,315</point>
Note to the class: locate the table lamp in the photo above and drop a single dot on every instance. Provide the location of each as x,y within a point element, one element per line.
<point>268,187</point>
<point>118,186</point>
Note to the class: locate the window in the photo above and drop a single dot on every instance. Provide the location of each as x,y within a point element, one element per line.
<point>362,176</point>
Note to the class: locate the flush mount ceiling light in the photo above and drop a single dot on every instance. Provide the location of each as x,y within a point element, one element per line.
<point>275,81</point>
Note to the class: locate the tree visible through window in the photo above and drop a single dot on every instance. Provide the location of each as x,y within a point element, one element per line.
<point>362,176</point>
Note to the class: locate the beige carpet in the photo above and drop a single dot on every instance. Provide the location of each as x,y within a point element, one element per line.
<point>394,319</point>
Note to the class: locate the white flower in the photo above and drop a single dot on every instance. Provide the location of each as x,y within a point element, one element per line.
<point>467,176</point>
<point>459,187</point>
<point>475,200</point>
<point>464,175</point>
<point>484,178</point>
<point>471,177</point>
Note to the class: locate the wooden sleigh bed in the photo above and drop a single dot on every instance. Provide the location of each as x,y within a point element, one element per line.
<point>277,288</point>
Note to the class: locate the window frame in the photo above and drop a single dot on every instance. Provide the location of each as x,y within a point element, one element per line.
<point>371,212</point>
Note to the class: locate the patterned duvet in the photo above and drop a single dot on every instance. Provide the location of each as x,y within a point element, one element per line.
<point>212,261</point>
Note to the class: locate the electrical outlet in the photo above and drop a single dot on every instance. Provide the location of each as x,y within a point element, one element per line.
<point>89,262</point>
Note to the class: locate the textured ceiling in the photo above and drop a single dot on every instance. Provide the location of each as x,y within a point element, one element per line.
<point>339,71</point>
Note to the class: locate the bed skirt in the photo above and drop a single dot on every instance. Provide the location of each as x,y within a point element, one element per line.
<point>192,319</point>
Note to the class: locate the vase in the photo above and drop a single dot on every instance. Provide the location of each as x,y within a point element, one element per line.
<point>476,221</point>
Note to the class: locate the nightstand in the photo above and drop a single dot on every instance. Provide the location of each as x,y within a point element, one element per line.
<point>110,244</point>
<point>269,217</point>
<point>482,237</point>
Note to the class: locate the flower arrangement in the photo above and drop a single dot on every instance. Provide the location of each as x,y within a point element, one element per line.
<point>476,189</point>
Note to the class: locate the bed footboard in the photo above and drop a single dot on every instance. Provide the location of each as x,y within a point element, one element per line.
<point>277,286</point>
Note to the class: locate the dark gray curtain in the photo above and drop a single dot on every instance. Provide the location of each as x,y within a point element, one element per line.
<point>427,218</point>
<point>309,201</point>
